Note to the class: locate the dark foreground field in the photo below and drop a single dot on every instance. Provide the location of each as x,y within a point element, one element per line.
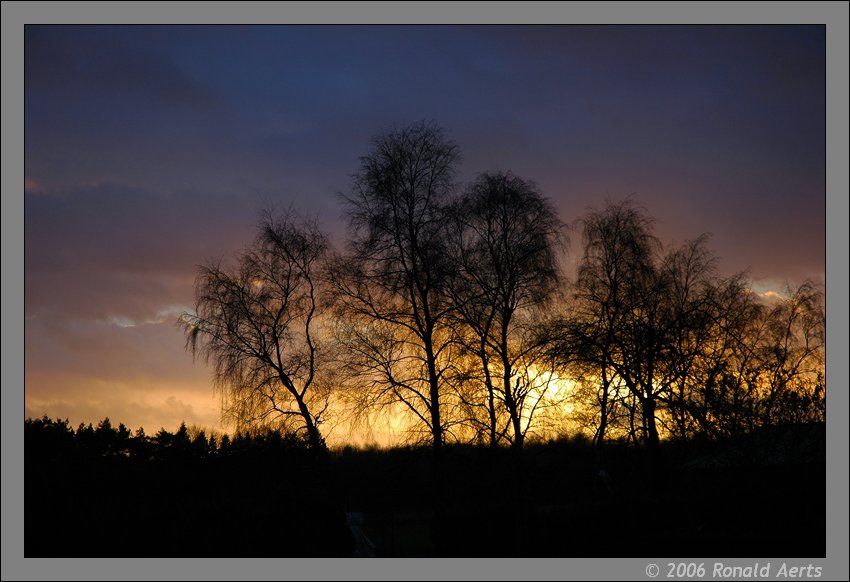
<point>272,496</point>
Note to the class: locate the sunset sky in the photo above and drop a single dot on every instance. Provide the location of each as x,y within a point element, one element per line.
<point>151,149</point>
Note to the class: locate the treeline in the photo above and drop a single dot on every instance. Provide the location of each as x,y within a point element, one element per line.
<point>102,491</point>
<point>49,439</point>
<point>449,306</point>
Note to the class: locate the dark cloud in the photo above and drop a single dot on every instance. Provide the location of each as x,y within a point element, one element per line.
<point>95,63</point>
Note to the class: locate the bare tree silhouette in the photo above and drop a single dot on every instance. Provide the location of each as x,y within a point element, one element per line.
<point>391,285</point>
<point>642,318</point>
<point>257,323</point>
<point>613,275</point>
<point>505,244</point>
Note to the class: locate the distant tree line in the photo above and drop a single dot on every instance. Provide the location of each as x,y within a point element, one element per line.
<point>95,491</point>
<point>449,304</point>
<point>47,438</point>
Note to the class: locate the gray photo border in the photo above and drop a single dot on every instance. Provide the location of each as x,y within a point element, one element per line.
<point>15,15</point>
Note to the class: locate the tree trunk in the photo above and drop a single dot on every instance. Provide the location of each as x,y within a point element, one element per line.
<point>510,401</point>
<point>314,437</point>
<point>434,388</point>
<point>632,427</point>
<point>491,397</point>
<point>652,441</point>
<point>513,410</point>
<point>655,462</point>
<point>603,417</point>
